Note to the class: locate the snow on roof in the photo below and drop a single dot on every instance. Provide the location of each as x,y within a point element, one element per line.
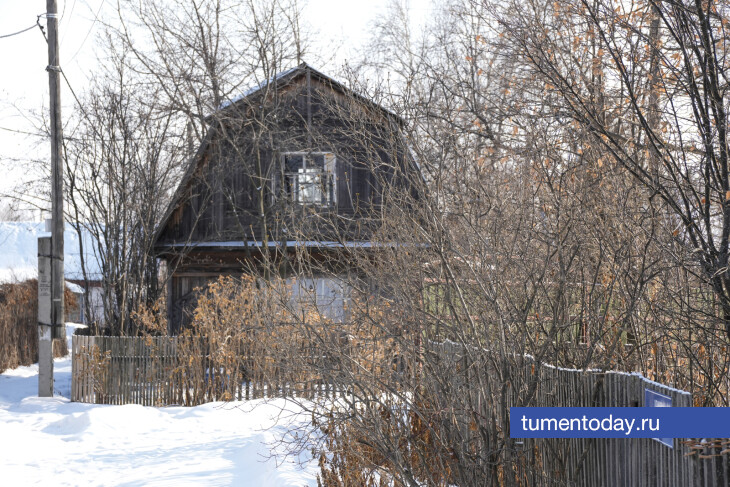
<point>19,252</point>
<point>257,87</point>
<point>303,67</point>
<point>74,288</point>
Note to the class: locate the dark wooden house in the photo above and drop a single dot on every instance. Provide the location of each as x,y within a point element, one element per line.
<point>297,166</point>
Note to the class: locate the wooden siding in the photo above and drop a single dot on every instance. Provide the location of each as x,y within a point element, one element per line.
<point>238,170</point>
<point>231,193</point>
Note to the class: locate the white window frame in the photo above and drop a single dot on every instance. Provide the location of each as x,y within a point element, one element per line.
<point>329,295</point>
<point>308,178</point>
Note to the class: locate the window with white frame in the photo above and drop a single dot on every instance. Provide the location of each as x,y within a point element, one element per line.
<point>309,178</point>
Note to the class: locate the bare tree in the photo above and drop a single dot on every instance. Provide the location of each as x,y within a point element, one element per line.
<point>122,160</point>
<point>528,243</point>
<point>171,71</point>
<point>653,98</point>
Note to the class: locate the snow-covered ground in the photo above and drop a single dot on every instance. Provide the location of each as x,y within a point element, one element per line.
<point>52,441</point>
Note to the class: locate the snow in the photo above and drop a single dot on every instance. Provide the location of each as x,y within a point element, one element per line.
<point>74,288</point>
<point>19,252</point>
<point>52,441</point>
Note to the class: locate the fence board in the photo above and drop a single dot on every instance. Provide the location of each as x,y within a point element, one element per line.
<point>152,372</point>
<point>122,370</point>
<point>591,462</point>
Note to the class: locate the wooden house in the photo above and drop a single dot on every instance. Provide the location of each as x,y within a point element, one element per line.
<point>298,166</point>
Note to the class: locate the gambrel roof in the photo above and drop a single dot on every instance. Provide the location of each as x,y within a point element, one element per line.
<point>252,98</point>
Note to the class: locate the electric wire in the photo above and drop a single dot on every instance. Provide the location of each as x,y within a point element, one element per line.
<point>19,32</point>
<point>96,17</point>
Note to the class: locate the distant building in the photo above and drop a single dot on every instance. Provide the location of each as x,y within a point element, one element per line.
<point>19,262</point>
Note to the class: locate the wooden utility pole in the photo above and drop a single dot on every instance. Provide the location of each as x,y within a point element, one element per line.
<point>57,280</point>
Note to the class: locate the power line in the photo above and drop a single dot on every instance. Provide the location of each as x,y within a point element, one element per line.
<point>19,32</point>
<point>96,17</point>
<point>87,138</point>
<point>23,132</point>
<point>73,6</point>
<point>37,23</point>
<point>78,102</point>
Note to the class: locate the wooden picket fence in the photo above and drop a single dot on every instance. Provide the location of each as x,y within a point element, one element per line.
<point>576,461</point>
<point>164,371</point>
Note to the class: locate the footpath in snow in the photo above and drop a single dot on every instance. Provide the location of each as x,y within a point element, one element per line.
<point>52,441</point>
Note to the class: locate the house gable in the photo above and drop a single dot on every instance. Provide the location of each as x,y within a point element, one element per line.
<point>238,186</point>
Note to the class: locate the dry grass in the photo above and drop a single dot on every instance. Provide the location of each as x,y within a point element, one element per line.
<point>19,324</point>
<point>245,340</point>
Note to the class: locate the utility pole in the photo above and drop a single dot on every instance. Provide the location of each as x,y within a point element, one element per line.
<point>45,364</point>
<point>45,338</point>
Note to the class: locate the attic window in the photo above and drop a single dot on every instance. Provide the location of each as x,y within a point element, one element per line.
<point>309,177</point>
